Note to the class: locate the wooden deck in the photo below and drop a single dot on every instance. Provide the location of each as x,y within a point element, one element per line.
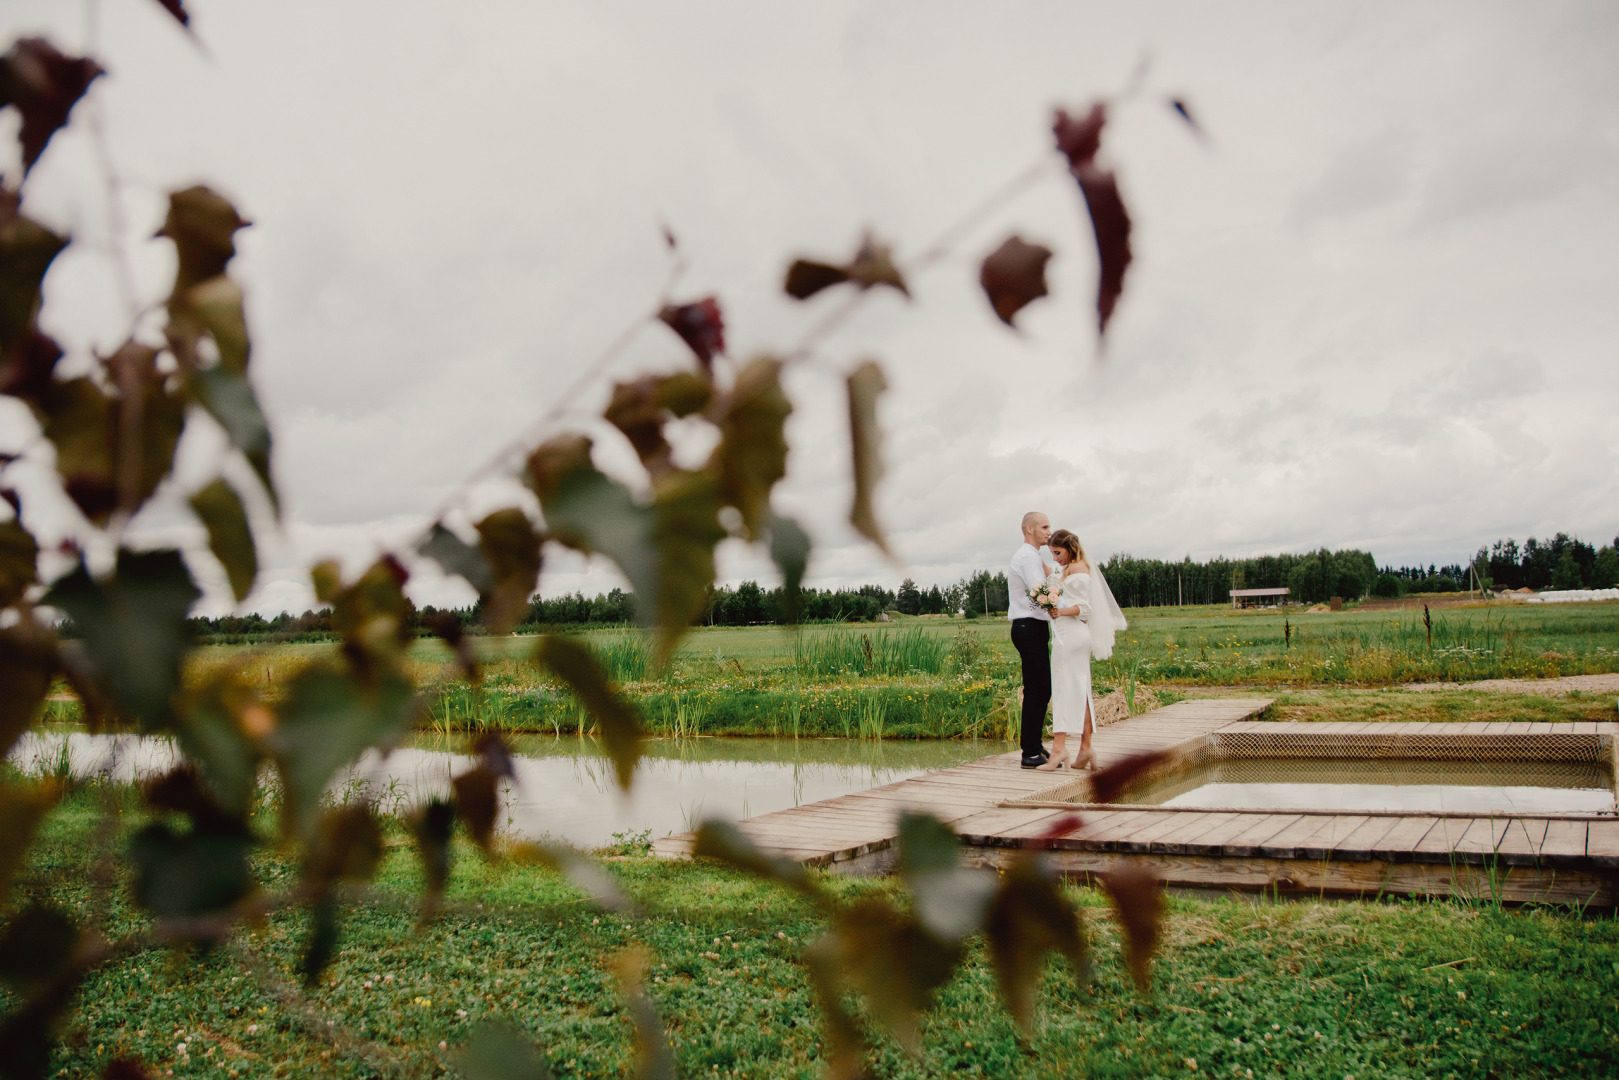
<point>999,808</point>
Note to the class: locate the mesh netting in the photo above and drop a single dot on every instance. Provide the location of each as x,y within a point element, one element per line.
<point>1517,746</point>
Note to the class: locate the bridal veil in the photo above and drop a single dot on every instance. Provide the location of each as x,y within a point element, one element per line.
<point>1106,617</point>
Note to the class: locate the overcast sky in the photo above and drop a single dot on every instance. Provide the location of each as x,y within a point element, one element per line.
<point>1378,307</point>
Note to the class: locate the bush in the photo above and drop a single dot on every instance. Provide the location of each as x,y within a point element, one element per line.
<point>1387,585</point>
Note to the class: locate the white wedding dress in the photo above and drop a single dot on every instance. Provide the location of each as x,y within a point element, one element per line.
<point>1071,698</point>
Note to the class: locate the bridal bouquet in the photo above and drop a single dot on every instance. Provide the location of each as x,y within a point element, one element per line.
<point>1043,596</point>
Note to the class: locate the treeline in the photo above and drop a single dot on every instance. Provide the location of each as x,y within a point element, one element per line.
<point>1562,562</point>
<point>1310,578</point>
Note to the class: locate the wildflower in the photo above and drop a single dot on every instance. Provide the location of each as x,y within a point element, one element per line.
<point>252,1029</point>
<point>442,1045</point>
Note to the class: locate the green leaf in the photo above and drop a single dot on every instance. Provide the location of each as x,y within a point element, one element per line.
<point>949,898</point>
<point>218,728</point>
<point>133,626</point>
<point>457,556</point>
<point>229,399</point>
<point>1028,918</point>
<point>229,535</point>
<point>499,1051</point>
<point>26,251</point>
<point>197,872</point>
<point>790,548</point>
<point>724,841</point>
<point>214,307</point>
<point>686,509</point>
<point>654,1060</point>
<point>78,420</point>
<point>350,847</point>
<point>589,876</point>
<point>616,718</point>
<point>639,409</point>
<point>202,223</point>
<point>512,549</point>
<point>19,552</point>
<point>866,382</point>
<point>22,808</point>
<point>752,452</point>
<point>36,947</point>
<point>894,964</point>
<point>27,662</point>
<point>330,717</point>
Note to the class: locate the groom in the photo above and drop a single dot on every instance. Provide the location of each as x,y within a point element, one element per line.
<point>1031,634</point>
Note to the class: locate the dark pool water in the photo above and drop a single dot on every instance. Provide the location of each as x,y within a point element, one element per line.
<point>565,788</point>
<point>1499,787</point>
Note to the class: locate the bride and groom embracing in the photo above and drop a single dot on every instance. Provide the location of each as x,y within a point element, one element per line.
<point>1062,616</point>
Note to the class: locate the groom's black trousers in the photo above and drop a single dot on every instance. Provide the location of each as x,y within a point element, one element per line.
<point>1032,640</point>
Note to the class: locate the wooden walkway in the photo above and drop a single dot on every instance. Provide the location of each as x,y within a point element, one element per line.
<point>999,808</point>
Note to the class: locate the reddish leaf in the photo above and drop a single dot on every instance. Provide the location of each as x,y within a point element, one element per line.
<point>477,803</point>
<point>43,85</point>
<point>806,278</point>
<point>1111,222</point>
<point>1060,827</point>
<point>640,409</point>
<point>350,847</point>
<point>1107,783</point>
<point>25,372</point>
<point>1013,275</point>
<point>874,265</point>
<point>432,826</point>
<point>893,963</point>
<point>27,664</point>
<point>19,555</point>
<point>1138,897</point>
<point>1080,138</point>
<point>1028,918</point>
<point>700,325</point>
<point>26,251</point>
<point>125,1069</point>
<point>866,382</point>
<point>177,8</point>
<point>497,756</point>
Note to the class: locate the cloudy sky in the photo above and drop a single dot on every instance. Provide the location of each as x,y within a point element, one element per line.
<point>1375,307</point>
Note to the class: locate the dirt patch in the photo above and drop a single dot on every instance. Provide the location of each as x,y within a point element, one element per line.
<point>1585,684</point>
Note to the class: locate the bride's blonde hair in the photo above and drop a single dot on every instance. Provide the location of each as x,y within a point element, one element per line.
<point>1066,540</point>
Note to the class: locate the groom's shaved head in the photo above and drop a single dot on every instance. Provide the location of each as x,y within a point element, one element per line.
<point>1033,518</point>
<point>1036,529</point>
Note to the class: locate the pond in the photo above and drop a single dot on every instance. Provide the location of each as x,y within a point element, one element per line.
<point>1356,784</point>
<point>565,788</point>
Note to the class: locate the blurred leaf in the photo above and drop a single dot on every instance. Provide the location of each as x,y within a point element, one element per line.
<point>724,841</point>
<point>19,552</point>
<point>219,728</point>
<point>328,718</point>
<point>893,963</point>
<point>350,847</point>
<point>806,278</point>
<point>866,382</point>
<point>229,399</point>
<point>700,325</point>
<point>372,614</point>
<point>177,8</point>
<point>432,826</point>
<point>28,1035</point>
<point>79,420</point>
<point>1013,275</point>
<point>27,663</point>
<point>22,808</point>
<point>447,626</point>
<point>586,874</point>
<point>640,409</point>
<point>26,368</point>
<point>686,509</point>
<point>752,452</point>
<point>654,1060</point>
<point>125,1068</point>
<point>43,86</point>
<point>1111,223</point>
<point>229,535</point>
<point>1079,138</point>
<point>790,548</point>
<point>477,803</point>
<point>26,251</point>
<point>949,899</point>
<point>197,872</point>
<point>845,1052</point>
<point>512,550</point>
<point>36,946</point>
<point>202,223</point>
<point>1138,897</point>
<point>133,626</point>
<point>181,791</point>
<point>616,718</point>
<point>499,1051</point>
<point>321,944</point>
<point>212,308</point>
<point>497,756</point>
<point>456,556</point>
<point>1028,918</point>
<point>1106,784</point>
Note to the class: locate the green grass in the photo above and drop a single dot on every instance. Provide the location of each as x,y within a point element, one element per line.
<point>1297,988</point>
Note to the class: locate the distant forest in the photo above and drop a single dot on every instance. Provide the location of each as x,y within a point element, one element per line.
<point>1563,562</point>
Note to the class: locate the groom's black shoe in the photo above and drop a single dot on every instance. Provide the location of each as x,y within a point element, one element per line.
<point>1035,761</point>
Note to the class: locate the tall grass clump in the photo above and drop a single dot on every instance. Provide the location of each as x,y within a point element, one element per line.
<point>846,653</point>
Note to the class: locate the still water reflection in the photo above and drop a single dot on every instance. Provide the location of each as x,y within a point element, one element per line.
<point>565,788</point>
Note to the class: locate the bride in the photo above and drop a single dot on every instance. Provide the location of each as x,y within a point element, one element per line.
<point>1086,618</point>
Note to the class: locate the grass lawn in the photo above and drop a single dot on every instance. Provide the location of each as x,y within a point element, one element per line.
<point>1242,987</point>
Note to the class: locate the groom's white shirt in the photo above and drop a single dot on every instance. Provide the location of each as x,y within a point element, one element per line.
<point>1026,572</point>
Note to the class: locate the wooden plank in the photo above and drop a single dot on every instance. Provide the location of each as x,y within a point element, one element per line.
<point>1357,846</point>
<point>1164,823</point>
<point>996,821</point>
<point>1440,843</point>
<point>1323,843</point>
<point>1216,838</point>
<point>1398,843</point>
<point>1193,835</point>
<point>1483,837</point>
<point>1285,844</point>
<point>1520,844</point>
<point>1602,844</point>
<point>1251,840</point>
<point>1110,834</point>
<point>1564,842</point>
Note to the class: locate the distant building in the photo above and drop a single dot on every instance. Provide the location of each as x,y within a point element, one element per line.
<point>1258,597</point>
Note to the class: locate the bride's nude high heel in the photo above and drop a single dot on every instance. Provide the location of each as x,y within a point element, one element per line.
<point>1085,760</point>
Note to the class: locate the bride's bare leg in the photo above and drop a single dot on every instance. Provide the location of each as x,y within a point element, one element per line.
<point>1058,745</point>
<point>1086,757</point>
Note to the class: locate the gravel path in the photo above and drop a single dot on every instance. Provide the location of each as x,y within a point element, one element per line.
<point>1589,684</point>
